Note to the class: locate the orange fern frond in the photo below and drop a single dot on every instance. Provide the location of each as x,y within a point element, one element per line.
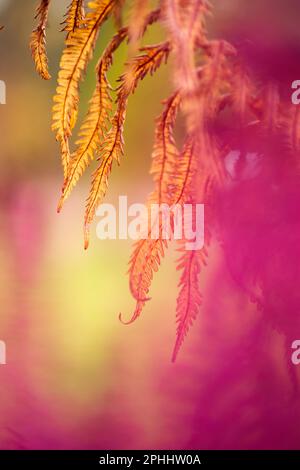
<point>144,64</point>
<point>79,49</point>
<point>165,153</point>
<point>38,41</point>
<point>196,188</point>
<point>148,252</point>
<point>95,123</point>
<point>74,16</point>
<point>189,299</point>
<point>94,126</point>
<point>185,170</point>
<point>145,260</point>
<point>210,76</point>
<point>112,148</point>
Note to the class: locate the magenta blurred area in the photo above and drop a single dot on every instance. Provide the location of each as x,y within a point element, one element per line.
<point>76,378</point>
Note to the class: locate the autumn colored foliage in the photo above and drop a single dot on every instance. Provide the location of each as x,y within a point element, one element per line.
<point>212,79</point>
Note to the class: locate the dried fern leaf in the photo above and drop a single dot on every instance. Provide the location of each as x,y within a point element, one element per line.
<point>189,299</point>
<point>144,261</point>
<point>148,252</point>
<point>78,51</point>
<point>196,188</point>
<point>144,64</point>
<point>185,170</point>
<point>165,153</point>
<point>38,41</point>
<point>112,148</point>
<point>95,122</point>
<point>94,125</point>
<point>74,16</point>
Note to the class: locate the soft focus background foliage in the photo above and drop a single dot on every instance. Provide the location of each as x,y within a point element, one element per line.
<point>77,378</point>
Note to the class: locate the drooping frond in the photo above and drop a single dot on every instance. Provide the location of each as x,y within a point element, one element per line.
<point>74,16</point>
<point>185,169</point>
<point>173,175</point>
<point>145,260</point>
<point>148,252</point>
<point>112,147</point>
<point>95,122</point>
<point>78,51</point>
<point>196,188</point>
<point>138,15</point>
<point>186,26</point>
<point>202,106</point>
<point>38,40</point>
<point>165,153</point>
<point>189,299</point>
<point>144,64</point>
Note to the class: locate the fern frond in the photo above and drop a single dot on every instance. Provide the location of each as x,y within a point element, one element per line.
<point>74,16</point>
<point>138,15</point>
<point>189,299</point>
<point>38,41</point>
<point>196,188</point>
<point>144,64</point>
<point>145,260</point>
<point>78,51</point>
<point>165,153</point>
<point>112,148</point>
<point>185,169</point>
<point>186,25</point>
<point>148,252</point>
<point>95,123</point>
